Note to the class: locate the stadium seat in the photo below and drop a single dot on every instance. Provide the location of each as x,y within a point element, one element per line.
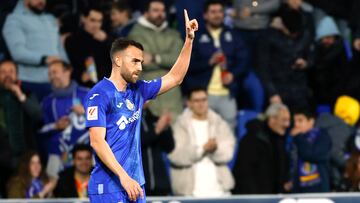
<point>243,117</point>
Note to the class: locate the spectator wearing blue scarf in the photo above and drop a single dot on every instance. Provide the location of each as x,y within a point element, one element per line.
<point>30,181</point>
<point>312,145</point>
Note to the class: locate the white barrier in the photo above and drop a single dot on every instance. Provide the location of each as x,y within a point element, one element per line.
<point>293,198</point>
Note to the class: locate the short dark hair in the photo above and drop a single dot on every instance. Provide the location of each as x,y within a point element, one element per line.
<point>122,7</point>
<point>208,3</point>
<point>292,19</point>
<point>306,111</point>
<point>149,2</point>
<point>195,89</point>
<point>81,147</point>
<point>8,61</point>
<point>121,44</point>
<point>86,11</point>
<point>65,65</point>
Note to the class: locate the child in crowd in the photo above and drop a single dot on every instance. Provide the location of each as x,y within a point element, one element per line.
<point>311,162</point>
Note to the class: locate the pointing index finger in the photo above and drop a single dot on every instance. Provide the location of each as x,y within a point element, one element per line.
<point>186,16</point>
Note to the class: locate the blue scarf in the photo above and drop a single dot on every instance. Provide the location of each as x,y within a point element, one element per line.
<point>35,187</point>
<point>308,172</point>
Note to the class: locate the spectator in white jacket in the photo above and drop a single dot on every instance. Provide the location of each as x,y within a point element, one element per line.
<point>204,144</point>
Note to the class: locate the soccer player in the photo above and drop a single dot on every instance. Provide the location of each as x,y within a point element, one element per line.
<point>113,118</point>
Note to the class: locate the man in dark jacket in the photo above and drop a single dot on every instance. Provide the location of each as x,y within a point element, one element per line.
<point>73,181</point>
<point>330,63</point>
<point>20,112</point>
<point>156,139</point>
<point>218,62</point>
<point>313,147</point>
<point>262,162</point>
<point>88,49</point>
<point>283,58</point>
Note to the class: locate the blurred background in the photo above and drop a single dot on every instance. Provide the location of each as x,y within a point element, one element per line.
<point>270,104</point>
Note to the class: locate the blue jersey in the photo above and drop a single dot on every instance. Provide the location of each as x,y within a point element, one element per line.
<point>57,105</point>
<point>120,113</point>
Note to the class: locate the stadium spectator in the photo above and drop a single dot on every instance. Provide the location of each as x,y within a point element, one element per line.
<point>307,31</point>
<point>73,181</point>
<point>20,112</point>
<point>122,20</point>
<point>156,139</point>
<point>251,19</point>
<point>340,134</point>
<point>282,60</point>
<point>204,144</point>
<point>88,49</point>
<point>64,117</point>
<point>68,13</point>
<point>313,151</point>
<point>347,109</point>
<point>162,46</point>
<point>329,60</point>
<point>352,173</point>
<point>33,39</point>
<point>217,62</point>
<point>262,165</point>
<point>254,16</point>
<point>30,180</point>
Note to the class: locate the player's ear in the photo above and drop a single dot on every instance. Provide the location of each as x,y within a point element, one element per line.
<point>117,61</point>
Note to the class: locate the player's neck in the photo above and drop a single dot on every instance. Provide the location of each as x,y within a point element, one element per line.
<point>118,81</point>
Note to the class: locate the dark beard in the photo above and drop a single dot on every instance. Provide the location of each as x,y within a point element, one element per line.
<point>128,78</point>
<point>36,10</point>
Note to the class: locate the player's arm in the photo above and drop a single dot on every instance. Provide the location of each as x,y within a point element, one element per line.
<point>177,73</point>
<point>103,151</point>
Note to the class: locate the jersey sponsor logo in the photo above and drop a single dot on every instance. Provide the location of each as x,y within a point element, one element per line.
<point>92,113</point>
<point>129,105</point>
<point>93,96</point>
<point>123,121</point>
<point>149,81</point>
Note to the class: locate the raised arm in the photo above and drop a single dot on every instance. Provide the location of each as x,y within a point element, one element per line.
<point>177,73</point>
<point>103,151</point>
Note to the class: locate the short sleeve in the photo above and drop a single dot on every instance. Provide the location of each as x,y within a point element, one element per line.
<point>96,107</point>
<point>149,88</point>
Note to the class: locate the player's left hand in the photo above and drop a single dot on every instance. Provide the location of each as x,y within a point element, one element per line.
<point>190,25</point>
<point>132,188</point>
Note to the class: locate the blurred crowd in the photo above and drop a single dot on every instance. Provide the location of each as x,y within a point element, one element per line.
<point>269,104</point>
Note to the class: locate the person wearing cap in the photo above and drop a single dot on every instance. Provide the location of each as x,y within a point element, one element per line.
<point>340,126</point>
<point>329,62</point>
